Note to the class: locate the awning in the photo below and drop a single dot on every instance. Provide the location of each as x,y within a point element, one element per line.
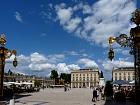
<point>120,82</point>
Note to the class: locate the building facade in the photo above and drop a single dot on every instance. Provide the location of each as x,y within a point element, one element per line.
<point>26,78</point>
<point>123,73</point>
<point>83,78</point>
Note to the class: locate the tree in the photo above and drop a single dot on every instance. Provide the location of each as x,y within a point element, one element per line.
<point>66,77</point>
<point>54,75</point>
<point>37,83</point>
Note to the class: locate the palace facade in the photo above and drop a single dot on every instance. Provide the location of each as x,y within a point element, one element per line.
<point>83,78</point>
<point>123,73</point>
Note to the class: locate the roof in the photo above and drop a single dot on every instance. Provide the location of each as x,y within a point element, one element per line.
<point>124,69</point>
<point>84,70</point>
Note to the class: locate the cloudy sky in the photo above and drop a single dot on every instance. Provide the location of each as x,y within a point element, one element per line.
<point>65,34</point>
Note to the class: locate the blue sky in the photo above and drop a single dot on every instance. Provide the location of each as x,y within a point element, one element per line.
<point>65,35</point>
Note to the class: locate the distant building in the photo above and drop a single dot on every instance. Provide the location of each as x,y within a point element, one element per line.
<point>84,78</point>
<point>26,78</point>
<point>123,73</point>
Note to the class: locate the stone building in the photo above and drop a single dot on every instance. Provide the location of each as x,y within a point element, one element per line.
<point>83,78</point>
<point>26,78</point>
<point>123,73</point>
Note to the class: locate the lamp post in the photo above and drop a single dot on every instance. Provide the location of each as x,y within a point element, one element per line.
<point>4,54</point>
<point>133,41</point>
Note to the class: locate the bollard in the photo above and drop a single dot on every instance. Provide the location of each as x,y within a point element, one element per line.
<point>12,102</point>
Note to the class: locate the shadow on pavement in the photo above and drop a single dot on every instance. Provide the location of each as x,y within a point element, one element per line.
<point>36,102</point>
<point>22,95</point>
<point>111,102</point>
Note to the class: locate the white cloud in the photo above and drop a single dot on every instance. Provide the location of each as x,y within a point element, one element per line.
<point>43,35</point>
<point>74,53</point>
<point>42,66</point>
<point>37,58</point>
<point>64,14</point>
<point>108,65</point>
<point>18,17</point>
<point>63,68</point>
<point>72,24</point>
<point>87,62</point>
<point>54,58</point>
<point>36,62</point>
<point>104,18</point>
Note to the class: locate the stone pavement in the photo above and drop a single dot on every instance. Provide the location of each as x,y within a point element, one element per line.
<point>59,97</point>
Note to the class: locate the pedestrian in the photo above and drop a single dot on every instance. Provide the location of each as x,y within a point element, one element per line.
<point>94,95</point>
<point>65,88</point>
<point>98,93</point>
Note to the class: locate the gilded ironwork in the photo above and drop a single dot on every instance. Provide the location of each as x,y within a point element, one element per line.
<point>5,54</point>
<point>2,40</point>
<point>133,42</point>
<point>136,17</point>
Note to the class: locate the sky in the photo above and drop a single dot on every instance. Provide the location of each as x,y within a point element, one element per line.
<point>65,35</point>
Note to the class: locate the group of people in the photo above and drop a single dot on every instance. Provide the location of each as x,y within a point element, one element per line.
<point>120,94</point>
<point>98,93</point>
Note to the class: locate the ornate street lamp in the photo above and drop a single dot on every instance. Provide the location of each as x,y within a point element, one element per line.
<point>4,54</point>
<point>111,54</point>
<point>133,41</point>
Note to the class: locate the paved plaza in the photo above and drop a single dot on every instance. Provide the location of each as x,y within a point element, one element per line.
<point>59,97</point>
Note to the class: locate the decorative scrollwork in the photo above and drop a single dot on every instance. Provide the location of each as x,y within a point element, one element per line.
<point>122,40</point>
<point>136,17</point>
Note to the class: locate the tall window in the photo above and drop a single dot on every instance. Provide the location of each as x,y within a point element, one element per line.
<point>115,77</point>
<point>120,77</point>
<point>124,77</point>
<point>128,78</point>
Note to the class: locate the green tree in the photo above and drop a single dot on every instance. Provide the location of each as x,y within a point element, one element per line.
<point>66,77</point>
<point>37,83</point>
<point>54,75</point>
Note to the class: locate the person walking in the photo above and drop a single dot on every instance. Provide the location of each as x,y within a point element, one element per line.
<point>98,94</point>
<point>94,98</point>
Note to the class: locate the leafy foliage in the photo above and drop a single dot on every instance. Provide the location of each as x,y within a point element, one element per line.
<point>54,75</point>
<point>37,83</point>
<point>66,77</point>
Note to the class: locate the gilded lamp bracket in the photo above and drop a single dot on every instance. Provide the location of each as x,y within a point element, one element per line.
<point>6,53</point>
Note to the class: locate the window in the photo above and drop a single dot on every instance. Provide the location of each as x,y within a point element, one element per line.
<point>133,77</point>
<point>128,78</point>
<point>115,77</point>
<point>73,79</point>
<point>120,77</point>
<point>124,77</point>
